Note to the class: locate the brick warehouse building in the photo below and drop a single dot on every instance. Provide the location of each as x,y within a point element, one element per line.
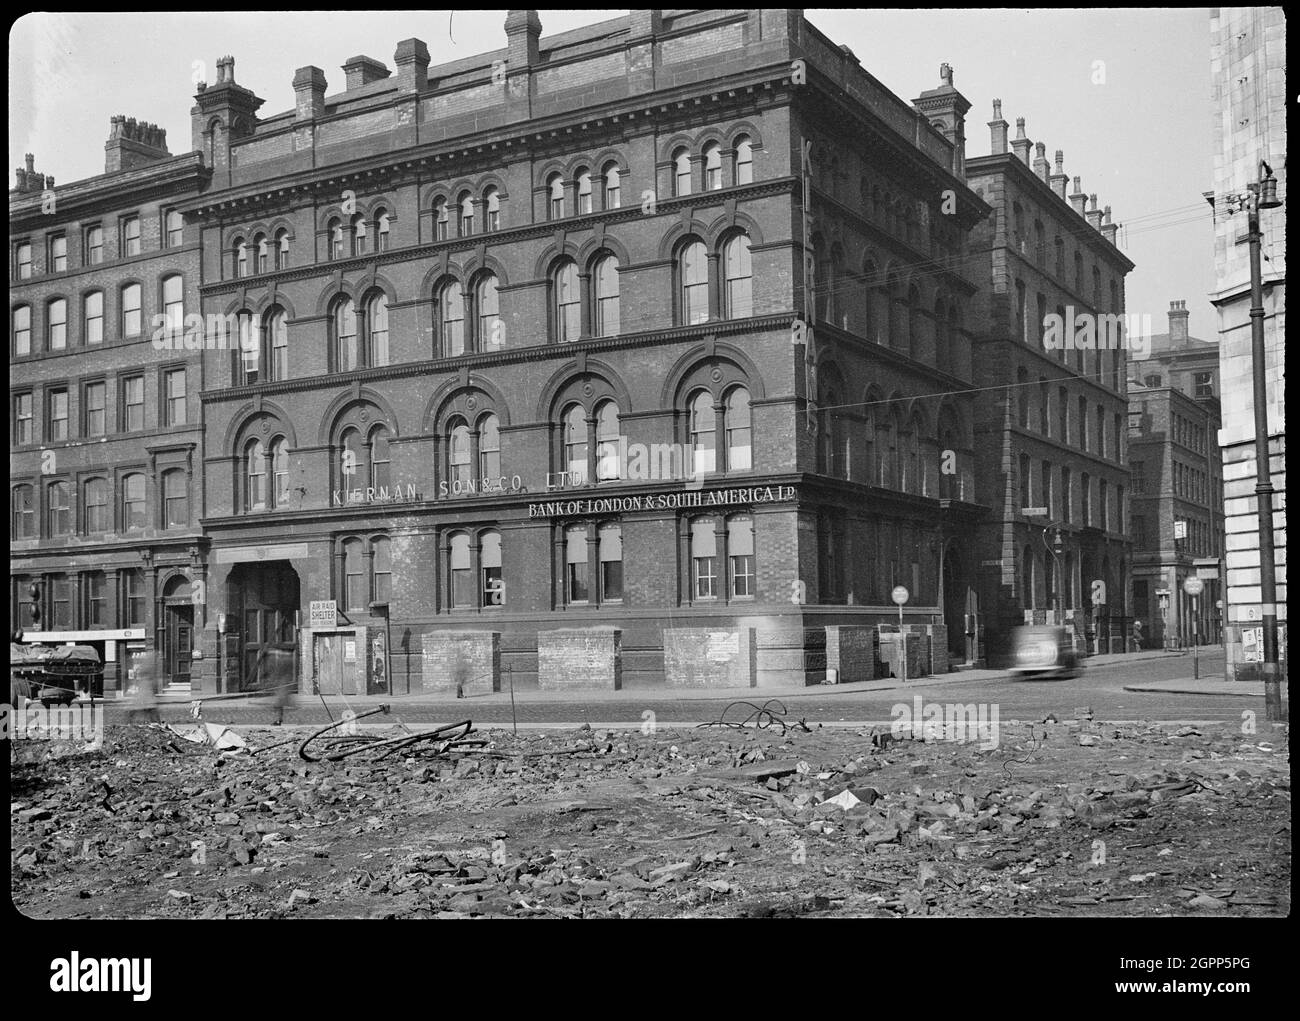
<point>1053,442</point>
<point>514,266</point>
<point>106,448</point>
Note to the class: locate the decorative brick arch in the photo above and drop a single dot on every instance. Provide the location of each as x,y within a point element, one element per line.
<point>569,374</point>
<point>243,422</point>
<point>440,406</point>
<point>606,242</point>
<point>344,402</point>
<point>681,376</point>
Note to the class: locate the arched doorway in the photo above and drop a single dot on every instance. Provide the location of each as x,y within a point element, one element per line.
<point>262,601</point>
<point>959,604</point>
<point>178,631</point>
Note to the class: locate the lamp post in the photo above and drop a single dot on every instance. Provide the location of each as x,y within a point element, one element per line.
<point>1263,195</point>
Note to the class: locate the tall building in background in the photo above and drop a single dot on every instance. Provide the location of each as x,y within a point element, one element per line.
<point>1176,511</point>
<point>1248,67</point>
<point>106,443</point>
<point>1050,446</point>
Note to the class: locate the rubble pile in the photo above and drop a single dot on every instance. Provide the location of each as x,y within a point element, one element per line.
<point>752,822</point>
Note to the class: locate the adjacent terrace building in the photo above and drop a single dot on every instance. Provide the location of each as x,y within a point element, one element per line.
<point>106,448</point>
<point>1050,449</point>
<point>605,358</point>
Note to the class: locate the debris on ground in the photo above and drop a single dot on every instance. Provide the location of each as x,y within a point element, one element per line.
<point>751,822</point>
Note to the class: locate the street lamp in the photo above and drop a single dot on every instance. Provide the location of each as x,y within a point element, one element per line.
<point>1263,195</point>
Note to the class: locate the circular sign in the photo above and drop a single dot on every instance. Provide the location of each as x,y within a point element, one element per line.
<point>899,595</point>
<point>1193,586</point>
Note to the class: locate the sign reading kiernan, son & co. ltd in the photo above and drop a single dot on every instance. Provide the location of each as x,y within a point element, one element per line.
<point>662,501</point>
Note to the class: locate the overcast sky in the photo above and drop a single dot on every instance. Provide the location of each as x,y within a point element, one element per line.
<point>1141,139</point>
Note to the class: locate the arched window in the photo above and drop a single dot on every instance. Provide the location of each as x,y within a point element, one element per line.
<point>913,322</point>
<point>282,249</point>
<point>131,317</point>
<point>352,467</point>
<point>1027,578</point>
<point>134,510</point>
<point>173,302</point>
<point>489,447</point>
<point>56,325</point>
<point>345,335</point>
<point>462,580</point>
<point>23,329</point>
<point>335,239</point>
<point>744,160</point>
<point>584,191</point>
<point>611,177</point>
<point>575,563</point>
<point>377,329</point>
<point>279,463</point>
<point>176,504</point>
<point>382,228</point>
<point>263,253</point>
<point>712,166</point>
<point>97,516</point>
<point>555,197</point>
<point>250,349</point>
<point>450,313</point>
<point>93,317</point>
<point>604,279</point>
<point>574,426</point>
<point>354,575</point>
<point>681,172</point>
<point>1022,397</point>
<point>487,307</point>
<point>738,278</point>
<point>740,551</point>
<point>704,558</point>
<point>359,239</point>
<point>494,589</point>
<point>24,513</point>
<point>255,476</point>
<point>703,430</point>
<point>693,277</point>
<point>380,460</point>
<point>58,509</point>
<point>277,332</point>
<point>459,461</point>
<point>466,206</point>
<point>566,307</point>
<point>609,538</point>
<point>440,219</point>
<point>739,433</point>
<point>491,208</point>
<point>240,254</point>
<point>608,465</point>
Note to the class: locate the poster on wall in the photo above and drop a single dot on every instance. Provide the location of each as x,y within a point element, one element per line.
<point>379,663</point>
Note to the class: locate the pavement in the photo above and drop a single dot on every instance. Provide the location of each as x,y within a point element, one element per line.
<point>1188,686</point>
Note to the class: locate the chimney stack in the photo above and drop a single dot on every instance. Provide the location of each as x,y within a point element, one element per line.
<point>1041,167</point>
<point>1178,315</point>
<point>945,108</point>
<point>360,71</point>
<point>643,23</point>
<point>1060,178</point>
<point>412,60</point>
<point>1108,229</point>
<point>308,92</point>
<point>133,143</point>
<point>523,36</point>
<point>997,130</point>
<point>1093,215</point>
<point>1078,197</point>
<point>1021,144</point>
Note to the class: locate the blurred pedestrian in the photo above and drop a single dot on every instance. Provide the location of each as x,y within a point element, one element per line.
<point>460,672</point>
<point>278,680</point>
<point>148,679</point>
<point>1137,636</point>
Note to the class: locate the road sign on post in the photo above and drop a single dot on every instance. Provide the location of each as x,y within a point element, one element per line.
<point>900,595</point>
<point>1194,587</point>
